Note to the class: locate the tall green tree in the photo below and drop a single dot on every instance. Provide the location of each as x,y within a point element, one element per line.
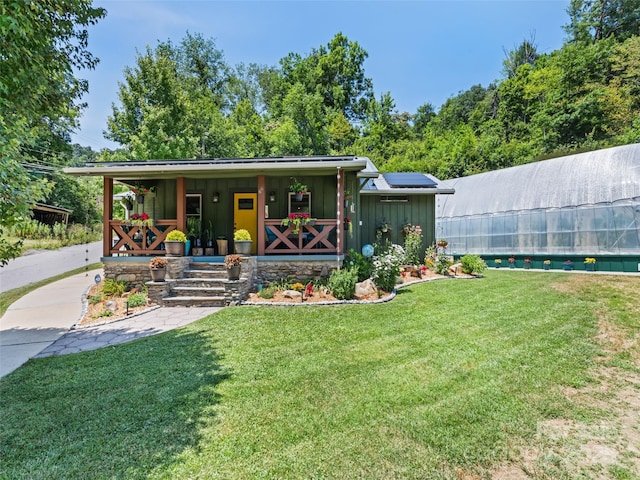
<point>42,44</point>
<point>594,20</point>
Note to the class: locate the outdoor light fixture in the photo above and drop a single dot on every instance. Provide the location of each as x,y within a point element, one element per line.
<point>216,197</point>
<point>272,196</point>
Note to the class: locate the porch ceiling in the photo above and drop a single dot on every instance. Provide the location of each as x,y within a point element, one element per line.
<point>221,168</point>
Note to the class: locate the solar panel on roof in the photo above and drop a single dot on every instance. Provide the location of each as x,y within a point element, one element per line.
<point>408,180</point>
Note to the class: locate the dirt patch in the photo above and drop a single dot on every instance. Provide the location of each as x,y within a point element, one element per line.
<point>94,314</point>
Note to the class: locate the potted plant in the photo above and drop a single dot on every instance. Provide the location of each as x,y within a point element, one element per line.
<point>194,230</point>
<point>512,262</point>
<point>298,188</point>
<point>546,264</point>
<point>527,262</point>
<point>497,262</point>
<point>242,241</point>
<point>158,268</point>
<point>174,243</point>
<point>590,264</point>
<point>296,219</point>
<point>208,234</point>
<point>140,191</point>
<point>567,265</point>
<point>233,264</point>
<point>442,243</point>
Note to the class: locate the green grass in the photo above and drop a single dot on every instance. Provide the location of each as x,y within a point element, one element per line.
<point>10,296</point>
<point>449,377</point>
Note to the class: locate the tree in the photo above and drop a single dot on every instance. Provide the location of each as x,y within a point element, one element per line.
<point>336,73</point>
<point>526,53</point>
<point>42,43</point>
<point>594,20</point>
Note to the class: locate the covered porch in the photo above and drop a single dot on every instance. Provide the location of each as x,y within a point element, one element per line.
<point>210,199</point>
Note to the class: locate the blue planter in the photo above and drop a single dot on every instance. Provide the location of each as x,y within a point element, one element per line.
<point>187,248</point>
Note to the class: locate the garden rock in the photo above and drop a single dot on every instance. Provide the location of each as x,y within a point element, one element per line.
<point>365,288</point>
<point>292,294</point>
<point>455,269</point>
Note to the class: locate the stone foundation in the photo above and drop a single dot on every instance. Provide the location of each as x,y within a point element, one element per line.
<point>135,271</point>
<point>304,270</point>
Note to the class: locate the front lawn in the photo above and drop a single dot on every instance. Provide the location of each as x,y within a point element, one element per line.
<point>452,379</point>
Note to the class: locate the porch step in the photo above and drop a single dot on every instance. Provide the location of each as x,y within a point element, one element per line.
<point>209,266</point>
<point>198,291</point>
<point>195,301</point>
<point>213,274</point>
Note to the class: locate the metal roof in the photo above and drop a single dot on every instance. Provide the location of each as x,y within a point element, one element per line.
<point>221,167</point>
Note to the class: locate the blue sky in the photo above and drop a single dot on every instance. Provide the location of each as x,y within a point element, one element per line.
<point>422,51</point>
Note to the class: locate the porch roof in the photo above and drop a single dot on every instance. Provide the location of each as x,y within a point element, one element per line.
<point>223,167</point>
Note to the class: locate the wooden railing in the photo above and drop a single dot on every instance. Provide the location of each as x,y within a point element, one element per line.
<point>316,238</point>
<point>129,239</point>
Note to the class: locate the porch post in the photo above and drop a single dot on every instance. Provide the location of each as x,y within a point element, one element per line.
<point>339,211</point>
<point>261,214</point>
<point>181,203</point>
<point>107,216</point>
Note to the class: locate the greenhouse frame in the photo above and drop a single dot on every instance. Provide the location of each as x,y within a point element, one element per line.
<point>561,210</point>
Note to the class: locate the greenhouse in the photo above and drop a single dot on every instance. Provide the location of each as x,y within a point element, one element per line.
<point>560,210</point>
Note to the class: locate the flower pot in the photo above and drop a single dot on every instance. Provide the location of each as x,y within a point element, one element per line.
<point>243,247</point>
<point>197,251</point>
<point>527,265</point>
<point>158,274</point>
<point>546,267</point>
<point>222,246</point>
<point>187,248</point>
<point>140,199</point>
<point>209,251</point>
<point>234,272</point>
<point>590,267</point>
<point>174,248</point>
<point>299,196</point>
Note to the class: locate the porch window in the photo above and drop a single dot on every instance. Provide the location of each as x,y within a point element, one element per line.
<point>300,206</point>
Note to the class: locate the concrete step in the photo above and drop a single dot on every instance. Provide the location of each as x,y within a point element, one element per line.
<point>198,291</point>
<point>198,282</point>
<point>217,274</point>
<point>195,301</point>
<point>207,266</point>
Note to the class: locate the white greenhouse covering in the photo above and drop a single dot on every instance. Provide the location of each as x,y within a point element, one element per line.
<point>587,203</point>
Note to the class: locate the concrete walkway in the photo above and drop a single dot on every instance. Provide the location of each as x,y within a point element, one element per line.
<point>39,324</point>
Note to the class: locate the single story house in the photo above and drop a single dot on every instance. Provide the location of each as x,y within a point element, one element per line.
<point>348,203</point>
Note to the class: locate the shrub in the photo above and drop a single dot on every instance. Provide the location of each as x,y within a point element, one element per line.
<point>242,235</point>
<point>386,267</point>
<point>342,284</point>
<point>430,257</point>
<point>94,299</point>
<point>473,264</point>
<point>114,288</point>
<point>59,231</point>
<point>268,292</point>
<point>137,299</point>
<point>358,262</point>
<point>158,262</point>
<point>412,244</point>
<point>443,262</point>
<point>176,236</point>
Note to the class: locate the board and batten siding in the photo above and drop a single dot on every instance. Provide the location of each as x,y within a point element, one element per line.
<point>419,210</point>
